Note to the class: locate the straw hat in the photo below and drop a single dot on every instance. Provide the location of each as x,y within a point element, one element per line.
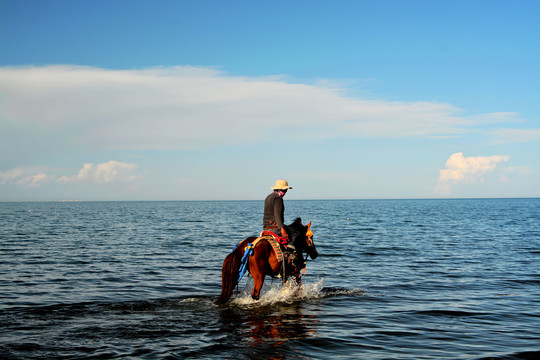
<point>281,185</point>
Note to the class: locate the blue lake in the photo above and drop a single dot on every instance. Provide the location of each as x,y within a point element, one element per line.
<point>395,279</point>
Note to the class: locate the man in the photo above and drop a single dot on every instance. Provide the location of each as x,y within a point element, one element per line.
<point>273,221</point>
<point>274,209</point>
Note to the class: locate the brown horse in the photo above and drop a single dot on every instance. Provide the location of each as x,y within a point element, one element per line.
<point>264,260</point>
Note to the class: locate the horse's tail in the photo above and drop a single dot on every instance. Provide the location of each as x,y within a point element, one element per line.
<point>229,275</point>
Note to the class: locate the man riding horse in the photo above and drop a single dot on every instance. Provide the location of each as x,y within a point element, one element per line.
<point>273,221</point>
<point>266,255</point>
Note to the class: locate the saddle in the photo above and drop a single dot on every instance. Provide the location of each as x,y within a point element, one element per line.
<point>276,242</point>
<point>286,254</point>
<point>279,239</point>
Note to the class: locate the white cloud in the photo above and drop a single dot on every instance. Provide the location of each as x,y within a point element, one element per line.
<point>190,107</point>
<point>35,180</point>
<point>466,170</point>
<point>30,177</point>
<point>112,171</point>
<point>10,175</point>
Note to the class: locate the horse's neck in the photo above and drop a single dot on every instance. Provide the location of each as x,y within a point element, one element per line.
<point>296,241</point>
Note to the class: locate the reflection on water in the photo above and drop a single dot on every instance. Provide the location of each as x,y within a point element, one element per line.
<point>267,330</point>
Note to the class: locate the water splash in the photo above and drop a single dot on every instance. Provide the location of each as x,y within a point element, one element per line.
<point>286,293</point>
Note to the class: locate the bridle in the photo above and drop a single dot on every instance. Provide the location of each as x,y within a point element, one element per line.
<point>309,238</point>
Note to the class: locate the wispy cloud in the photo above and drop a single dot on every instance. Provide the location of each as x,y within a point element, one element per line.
<point>108,172</point>
<point>35,180</point>
<point>194,107</point>
<point>508,136</point>
<point>10,175</point>
<point>466,170</point>
<point>112,171</point>
<point>29,177</point>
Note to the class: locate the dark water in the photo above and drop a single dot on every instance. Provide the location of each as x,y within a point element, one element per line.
<point>395,279</point>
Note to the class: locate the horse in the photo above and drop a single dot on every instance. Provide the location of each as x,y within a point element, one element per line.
<point>264,260</point>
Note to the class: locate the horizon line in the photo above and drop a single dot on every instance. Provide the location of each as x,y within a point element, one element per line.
<point>317,199</point>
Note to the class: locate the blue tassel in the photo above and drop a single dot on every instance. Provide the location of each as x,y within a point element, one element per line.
<point>235,246</point>
<point>248,252</point>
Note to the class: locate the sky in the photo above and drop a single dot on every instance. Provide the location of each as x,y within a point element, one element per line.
<point>215,100</point>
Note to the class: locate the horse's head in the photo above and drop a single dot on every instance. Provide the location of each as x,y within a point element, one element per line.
<point>302,238</point>
<point>310,249</point>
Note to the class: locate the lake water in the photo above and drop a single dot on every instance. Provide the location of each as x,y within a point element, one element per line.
<point>395,279</point>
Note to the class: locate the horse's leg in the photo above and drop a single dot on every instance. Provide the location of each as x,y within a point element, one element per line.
<point>257,286</point>
<point>258,274</point>
<point>297,278</point>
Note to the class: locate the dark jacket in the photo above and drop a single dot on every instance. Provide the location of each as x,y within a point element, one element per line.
<point>273,213</point>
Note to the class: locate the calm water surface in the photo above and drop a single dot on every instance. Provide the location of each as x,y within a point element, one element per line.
<point>395,279</point>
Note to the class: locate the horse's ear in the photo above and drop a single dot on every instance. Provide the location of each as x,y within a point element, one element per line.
<point>309,225</point>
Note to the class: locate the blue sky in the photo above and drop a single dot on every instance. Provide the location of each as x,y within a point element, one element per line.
<point>200,100</point>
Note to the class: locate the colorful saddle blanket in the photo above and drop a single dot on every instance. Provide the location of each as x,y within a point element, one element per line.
<point>279,239</point>
<point>271,238</point>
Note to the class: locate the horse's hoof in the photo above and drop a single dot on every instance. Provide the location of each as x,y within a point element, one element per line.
<point>255,297</point>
